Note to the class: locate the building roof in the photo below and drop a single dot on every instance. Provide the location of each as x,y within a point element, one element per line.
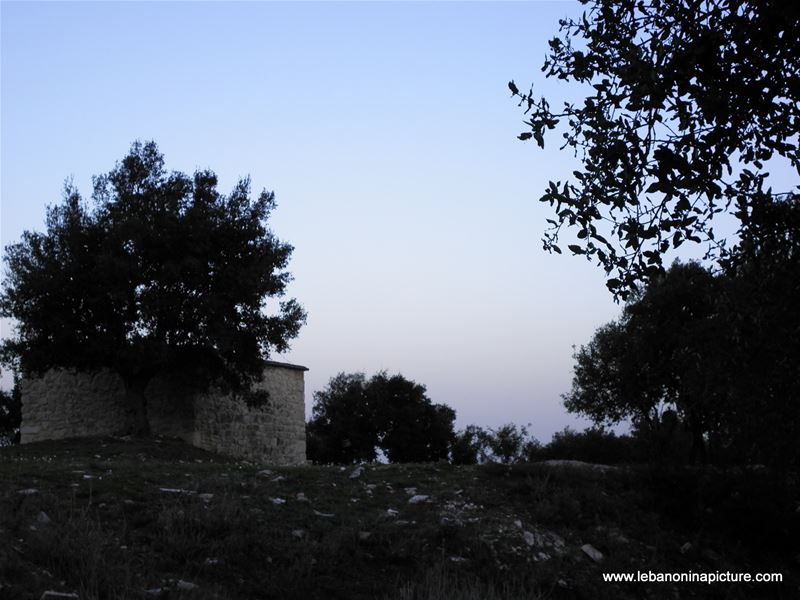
<point>285,365</point>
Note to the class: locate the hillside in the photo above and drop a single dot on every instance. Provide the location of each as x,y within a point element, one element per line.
<point>117,518</point>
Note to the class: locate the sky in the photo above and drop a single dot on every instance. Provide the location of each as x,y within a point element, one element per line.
<point>388,134</point>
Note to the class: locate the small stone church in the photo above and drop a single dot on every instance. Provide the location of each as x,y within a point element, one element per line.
<point>63,404</point>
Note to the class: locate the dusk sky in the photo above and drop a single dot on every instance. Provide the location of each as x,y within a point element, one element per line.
<point>388,134</point>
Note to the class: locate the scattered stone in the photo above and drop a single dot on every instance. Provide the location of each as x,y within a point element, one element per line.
<point>128,501</point>
<point>206,497</point>
<point>28,492</point>
<point>88,476</point>
<point>211,562</point>
<point>175,491</point>
<point>457,559</point>
<point>579,464</point>
<point>371,486</point>
<point>264,473</point>
<point>278,479</point>
<point>278,501</point>
<point>411,491</point>
<point>301,497</point>
<point>686,547</point>
<point>42,517</point>
<point>417,498</point>
<point>518,524</point>
<point>529,538</point>
<point>392,512</point>
<point>324,515</point>
<point>185,586</point>
<point>364,535</point>
<point>299,533</point>
<point>53,595</point>
<point>592,552</point>
<point>541,556</point>
<point>357,472</point>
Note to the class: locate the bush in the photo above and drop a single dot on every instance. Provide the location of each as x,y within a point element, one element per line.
<point>10,415</point>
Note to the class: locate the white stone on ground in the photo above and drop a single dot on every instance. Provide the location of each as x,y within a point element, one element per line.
<point>592,552</point>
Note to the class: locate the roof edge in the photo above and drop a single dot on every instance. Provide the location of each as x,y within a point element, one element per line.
<point>285,365</point>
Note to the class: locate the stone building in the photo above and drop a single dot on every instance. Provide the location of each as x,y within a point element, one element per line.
<point>63,404</point>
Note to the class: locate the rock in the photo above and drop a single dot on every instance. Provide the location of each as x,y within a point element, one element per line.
<point>529,538</point>
<point>457,559</point>
<point>686,547</point>
<point>205,497</point>
<point>410,491</point>
<point>417,498</point>
<point>264,473</point>
<point>175,491</point>
<point>364,535</point>
<point>541,556</point>
<point>28,492</point>
<point>42,517</point>
<point>592,552</point>
<point>53,595</point>
<point>301,497</point>
<point>298,533</point>
<point>185,586</point>
<point>392,512</point>
<point>518,524</point>
<point>324,515</point>
<point>278,501</point>
<point>357,472</point>
<point>211,562</point>
<point>579,464</point>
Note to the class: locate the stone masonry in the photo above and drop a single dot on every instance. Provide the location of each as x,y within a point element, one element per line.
<point>63,404</point>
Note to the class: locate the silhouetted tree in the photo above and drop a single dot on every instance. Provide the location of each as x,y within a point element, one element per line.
<point>344,426</point>
<point>163,274</point>
<point>762,322</point>
<point>687,102</point>
<point>470,446</point>
<point>11,413</point>
<point>664,351</point>
<point>353,417</point>
<point>510,443</point>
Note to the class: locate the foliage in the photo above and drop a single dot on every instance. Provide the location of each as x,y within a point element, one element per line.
<point>411,427</point>
<point>162,274</point>
<point>353,417</point>
<point>594,445</point>
<point>686,103</point>
<point>470,446</point>
<point>721,351</point>
<point>663,352</point>
<point>510,443</point>
<point>11,413</point>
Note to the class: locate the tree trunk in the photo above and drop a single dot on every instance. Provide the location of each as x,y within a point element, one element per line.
<point>134,396</point>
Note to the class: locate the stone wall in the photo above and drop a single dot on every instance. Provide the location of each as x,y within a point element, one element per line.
<point>64,404</point>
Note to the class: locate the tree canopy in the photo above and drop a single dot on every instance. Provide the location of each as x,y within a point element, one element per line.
<point>719,351</point>
<point>687,102</point>
<point>161,274</point>
<point>354,417</point>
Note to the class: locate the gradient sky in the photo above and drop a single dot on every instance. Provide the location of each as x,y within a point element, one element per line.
<point>386,131</point>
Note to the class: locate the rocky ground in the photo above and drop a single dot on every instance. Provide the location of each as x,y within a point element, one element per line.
<point>117,518</point>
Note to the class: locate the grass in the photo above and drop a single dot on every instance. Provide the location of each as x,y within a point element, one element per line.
<point>112,531</point>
